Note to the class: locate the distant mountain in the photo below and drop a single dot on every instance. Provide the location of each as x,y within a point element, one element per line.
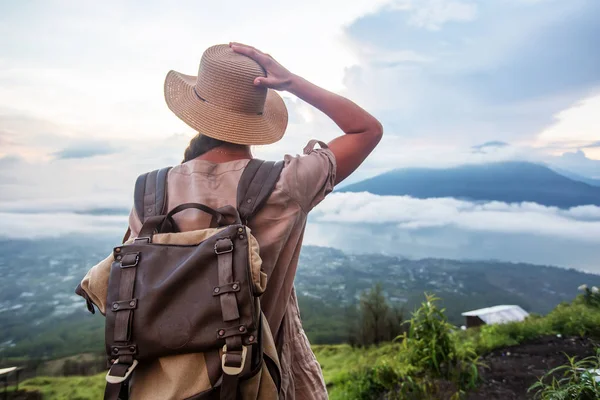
<point>511,182</point>
<point>576,177</point>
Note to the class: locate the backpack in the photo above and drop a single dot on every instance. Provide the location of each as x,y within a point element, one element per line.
<point>172,292</point>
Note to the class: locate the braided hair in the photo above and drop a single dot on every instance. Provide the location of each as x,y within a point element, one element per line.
<point>199,145</point>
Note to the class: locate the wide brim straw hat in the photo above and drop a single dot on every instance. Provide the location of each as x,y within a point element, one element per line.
<point>223,103</point>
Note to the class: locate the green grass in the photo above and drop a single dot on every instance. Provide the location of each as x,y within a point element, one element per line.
<point>67,388</point>
<point>351,373</point>
<point>340,363</point>
<point>355,373</point>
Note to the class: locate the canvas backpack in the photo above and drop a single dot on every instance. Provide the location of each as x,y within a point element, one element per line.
<point>172,292</point>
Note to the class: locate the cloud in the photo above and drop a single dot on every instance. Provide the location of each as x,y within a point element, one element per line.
<point>433,14</point>
<point>27,226</point>
<point>488,81</point>
<point>577,127</point>
<point>85,149</point>
<point>593,145</point>
<point>577,162</point>
<point>455,229</point>
<point>492,145</point>
<point>414,214</point>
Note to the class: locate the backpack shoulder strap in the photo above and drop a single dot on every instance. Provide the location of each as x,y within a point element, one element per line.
<point>256,185</point>
<point>150,195</point>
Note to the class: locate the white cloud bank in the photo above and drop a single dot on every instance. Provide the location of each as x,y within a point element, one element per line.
<point>579,223</point>
<point>456,229</point>
<point>367,223</point>
<point>28,226</point>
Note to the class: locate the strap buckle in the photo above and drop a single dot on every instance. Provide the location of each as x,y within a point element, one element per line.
<point>130,260</point>
<point>220,250</point>
<point>233,370</point>
<point>119,379</point>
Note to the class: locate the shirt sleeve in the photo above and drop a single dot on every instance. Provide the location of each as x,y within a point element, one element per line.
<point>309,178</point>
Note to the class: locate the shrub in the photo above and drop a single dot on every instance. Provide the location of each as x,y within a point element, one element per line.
<point>573,380</point>
<point>430,347</point>
<point>370,383</point>
<point>591,297</point>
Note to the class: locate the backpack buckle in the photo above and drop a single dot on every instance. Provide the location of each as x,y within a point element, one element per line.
<point>119,379</point>
<point>233,370</point>
<point>226,247</point>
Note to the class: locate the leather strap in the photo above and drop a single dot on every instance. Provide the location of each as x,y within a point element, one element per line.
<point>233,358</point>
<point>122,332</point>
<point>256,185</point>
<point>229,387</point>
<point>150,194</point>
<point>224,251</point>
<point>117,391</point>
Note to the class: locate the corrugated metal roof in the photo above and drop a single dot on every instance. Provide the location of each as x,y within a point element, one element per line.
<point>498,314</point>
<point>5,371</point>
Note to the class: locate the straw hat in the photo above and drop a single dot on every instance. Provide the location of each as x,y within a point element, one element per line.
<point>222,101</point>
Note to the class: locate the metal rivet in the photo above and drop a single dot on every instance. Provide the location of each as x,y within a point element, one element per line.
<point>132,303</point>
<point>242,328</point>
<point>118,250</point>
<point>251,338</point>
<point>216,290</point>
<point>249,201</point>
<point>240,230</point>
<point>234,286</point>
<point>149,210</point>
<point>241,236</point>
<point>119,257</point>
<point>115,350</point>
<point>221,332</point>
<point>132,349</point>
<point>115,305</point>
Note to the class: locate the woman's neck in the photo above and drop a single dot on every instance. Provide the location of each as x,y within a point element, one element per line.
<point>225,153</point>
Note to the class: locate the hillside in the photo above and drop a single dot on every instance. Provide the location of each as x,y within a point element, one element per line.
<point>491,362</point>
<point>576,177</point>
<point>507,182</point>
<point>42,317</point>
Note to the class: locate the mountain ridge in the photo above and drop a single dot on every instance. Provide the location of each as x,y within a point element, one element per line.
<point>510,182</point>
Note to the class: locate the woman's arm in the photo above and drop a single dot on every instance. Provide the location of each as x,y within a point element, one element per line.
<point>362,131</point>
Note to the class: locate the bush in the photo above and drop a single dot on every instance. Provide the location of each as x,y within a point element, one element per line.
<point>429,345</point>
<point>576,380</point>
<point>370,383</point>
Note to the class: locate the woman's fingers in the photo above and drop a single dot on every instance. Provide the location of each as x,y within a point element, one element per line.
<point>251,52</point>
<point>266,82</point>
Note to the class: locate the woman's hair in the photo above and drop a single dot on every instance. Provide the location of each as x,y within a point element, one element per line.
<point>199,145</point>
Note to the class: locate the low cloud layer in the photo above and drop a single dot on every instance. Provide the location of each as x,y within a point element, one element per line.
<point>367,223</point>
<point>30,226</point>
<point>407,213</point>
<point>450,228</point>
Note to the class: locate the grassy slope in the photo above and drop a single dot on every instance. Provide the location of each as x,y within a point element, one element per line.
<point>68,388</point>
<point>340,362</point>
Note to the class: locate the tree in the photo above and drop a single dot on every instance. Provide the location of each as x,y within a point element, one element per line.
<point>377,321</point>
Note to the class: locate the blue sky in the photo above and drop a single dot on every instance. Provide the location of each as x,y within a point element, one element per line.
<point>453,81</point>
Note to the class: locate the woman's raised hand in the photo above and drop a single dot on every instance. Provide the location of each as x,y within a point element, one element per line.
<point>278,77</point>
<point>362,131</point>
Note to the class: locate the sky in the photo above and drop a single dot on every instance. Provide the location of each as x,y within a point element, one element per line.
<point>82,111</point>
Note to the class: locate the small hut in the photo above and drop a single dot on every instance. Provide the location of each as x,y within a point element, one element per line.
<point>494,315</point>
<point>5,373</point>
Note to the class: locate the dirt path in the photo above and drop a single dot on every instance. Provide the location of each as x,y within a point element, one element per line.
<point>512,370</point>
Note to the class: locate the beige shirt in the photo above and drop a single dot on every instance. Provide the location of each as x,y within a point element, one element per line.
<point>279,228</point>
